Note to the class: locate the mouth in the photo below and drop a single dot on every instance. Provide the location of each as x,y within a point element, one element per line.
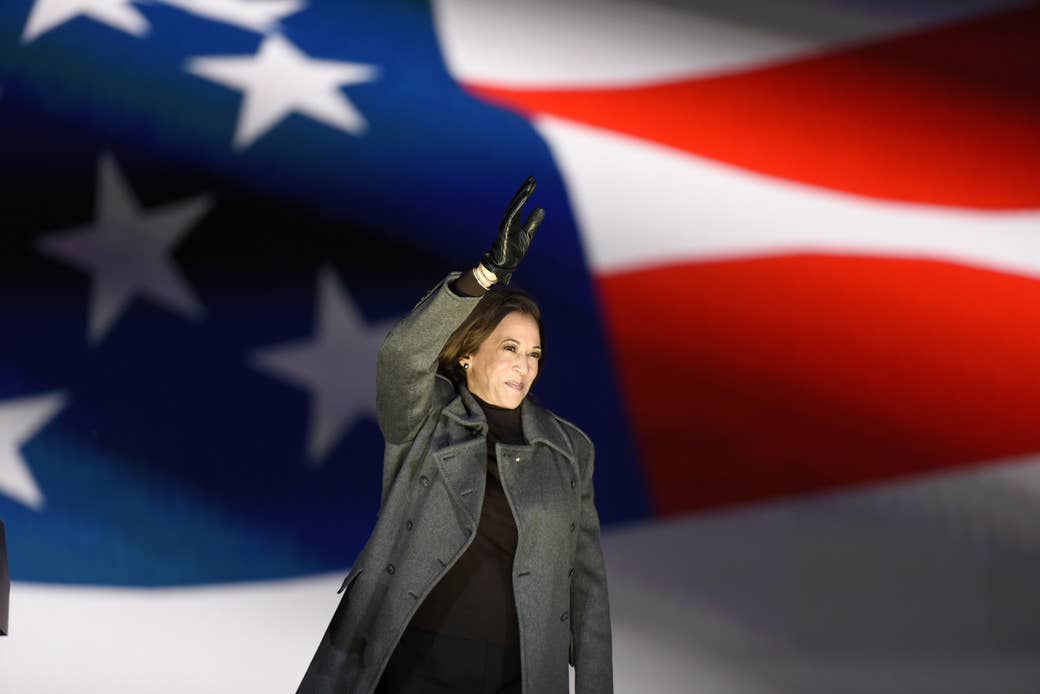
<point>515,385</point>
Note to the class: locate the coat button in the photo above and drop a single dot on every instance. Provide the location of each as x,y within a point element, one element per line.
<point>408,525</point>
<point>424,481</point>
<point>572,527</point>
<point>518,459</point>
<point>563,617</point>
<point>390,569</point>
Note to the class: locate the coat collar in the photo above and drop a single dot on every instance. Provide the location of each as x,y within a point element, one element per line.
<point>540,426</point>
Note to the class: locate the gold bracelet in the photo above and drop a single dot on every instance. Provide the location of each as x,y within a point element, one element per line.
<point>485,278</point>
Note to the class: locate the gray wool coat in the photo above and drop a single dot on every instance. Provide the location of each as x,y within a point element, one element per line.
<point>434,471</point>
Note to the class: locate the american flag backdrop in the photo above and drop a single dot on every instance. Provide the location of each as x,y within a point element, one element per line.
<point>789,272</point>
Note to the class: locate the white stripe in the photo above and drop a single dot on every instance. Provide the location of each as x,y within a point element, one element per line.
<point>640,204</point>
<point>252,638</point>
<point>926,586</point>
<point>585,43</point>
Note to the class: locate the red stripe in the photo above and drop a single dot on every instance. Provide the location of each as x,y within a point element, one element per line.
<point>949,117</point>
<point>754,379</point>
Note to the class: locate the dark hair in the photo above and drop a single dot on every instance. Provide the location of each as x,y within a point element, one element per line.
<point>498,303</point>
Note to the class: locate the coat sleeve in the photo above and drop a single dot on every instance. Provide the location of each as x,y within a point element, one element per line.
<point>406,368</point>
<point>591,647</point>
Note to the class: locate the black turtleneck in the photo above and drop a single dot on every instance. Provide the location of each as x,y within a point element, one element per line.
<point>474,599</point>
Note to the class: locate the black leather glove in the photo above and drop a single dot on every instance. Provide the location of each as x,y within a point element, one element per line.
<point>513,238</point>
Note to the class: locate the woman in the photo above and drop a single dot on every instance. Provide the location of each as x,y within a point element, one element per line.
<point>484,572</point>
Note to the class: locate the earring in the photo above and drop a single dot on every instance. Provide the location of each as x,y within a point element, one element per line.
<point>465,366</point>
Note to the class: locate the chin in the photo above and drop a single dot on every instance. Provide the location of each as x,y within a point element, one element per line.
<point>512,400</point>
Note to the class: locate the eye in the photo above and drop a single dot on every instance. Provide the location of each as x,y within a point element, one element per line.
<point>536,355</point>
<point>510,348</point>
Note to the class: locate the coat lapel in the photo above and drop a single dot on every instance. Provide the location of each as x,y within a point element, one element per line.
<point>532,473</point>
<point>541,428</point>
<point>462,456</point>
<point>462,453</point>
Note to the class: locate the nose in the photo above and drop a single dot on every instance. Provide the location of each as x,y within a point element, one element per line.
<point>521,365</point>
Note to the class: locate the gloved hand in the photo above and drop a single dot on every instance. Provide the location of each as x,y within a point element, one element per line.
<point>513,238</point>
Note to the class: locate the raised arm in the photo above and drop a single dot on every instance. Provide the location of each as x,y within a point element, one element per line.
<point>406,369</point>
<point>407,365</point>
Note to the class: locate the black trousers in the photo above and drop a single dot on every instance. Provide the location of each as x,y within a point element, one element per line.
<point>425,662</point>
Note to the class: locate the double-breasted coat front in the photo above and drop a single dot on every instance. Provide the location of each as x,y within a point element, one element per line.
<point>434,471</point>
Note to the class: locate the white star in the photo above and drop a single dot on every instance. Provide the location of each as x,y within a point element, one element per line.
<point>280,80</point>
<point>337,366</point>
<point>20,420</point>
<point>260,16</point>
<point>119,14</point>
<point>126,251</point>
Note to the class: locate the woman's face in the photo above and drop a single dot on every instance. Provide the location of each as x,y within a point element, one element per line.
<point>503,369</point>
